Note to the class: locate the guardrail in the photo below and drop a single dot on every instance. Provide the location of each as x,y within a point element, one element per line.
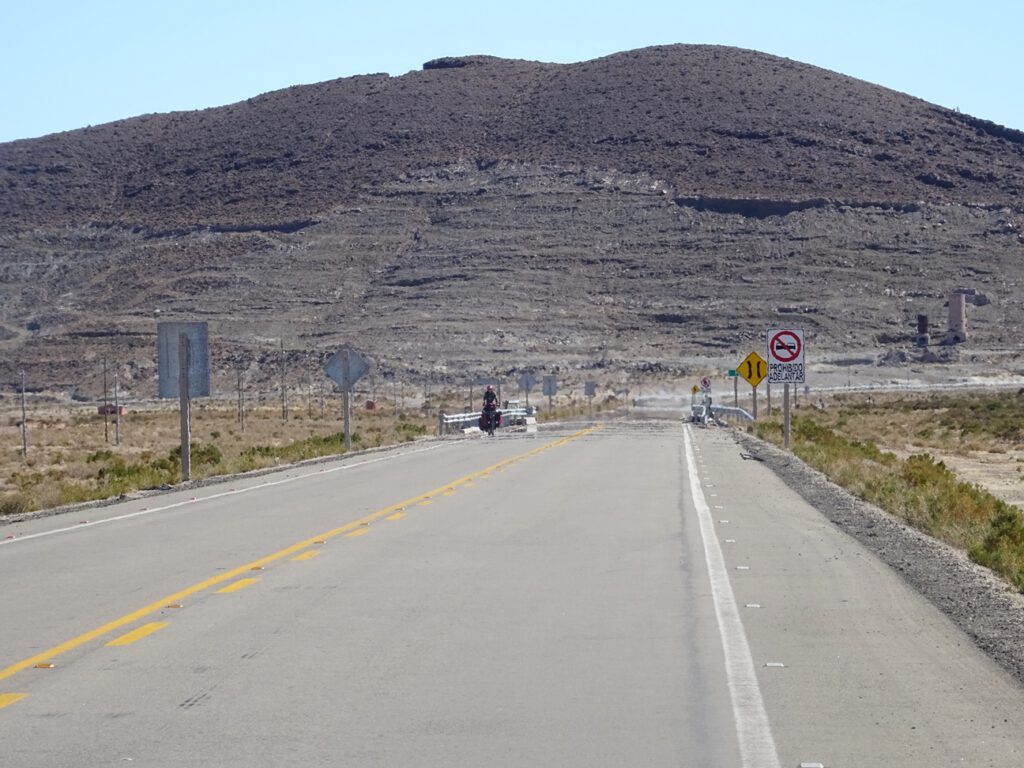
<point>702,414</point>
<point>453,422</point>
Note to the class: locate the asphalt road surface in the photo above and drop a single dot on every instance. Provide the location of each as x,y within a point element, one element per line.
<point>632,594</point>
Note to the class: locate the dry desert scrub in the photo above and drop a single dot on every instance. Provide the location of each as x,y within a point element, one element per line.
<point>73,455</point>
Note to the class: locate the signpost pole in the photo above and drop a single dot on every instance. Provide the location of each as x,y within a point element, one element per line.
<point>769,412</point>
<point>346,401</point>
<point>184,408</point>
<point>736,391</point>
<point>785,415</point>
<point>755,403</point>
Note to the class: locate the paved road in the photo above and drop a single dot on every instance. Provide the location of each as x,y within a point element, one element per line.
<point>571,599</point>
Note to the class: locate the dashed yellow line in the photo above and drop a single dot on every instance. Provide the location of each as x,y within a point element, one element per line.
<point>240,584</point>
<point>137,634</point>
<point>358,532</point>
<point>226,576</point>
<point>309,554</point>
<point>396,516</point>
<point>6,699</point>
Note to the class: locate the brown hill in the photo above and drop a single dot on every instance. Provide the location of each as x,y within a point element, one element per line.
<point>485,214</point>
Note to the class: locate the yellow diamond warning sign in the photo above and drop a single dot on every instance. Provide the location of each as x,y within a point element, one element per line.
<point>753,368</point>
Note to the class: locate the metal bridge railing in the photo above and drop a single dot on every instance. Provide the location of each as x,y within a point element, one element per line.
<point>456,422</point>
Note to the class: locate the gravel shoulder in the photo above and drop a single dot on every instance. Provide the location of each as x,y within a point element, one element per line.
<point>987,609</point>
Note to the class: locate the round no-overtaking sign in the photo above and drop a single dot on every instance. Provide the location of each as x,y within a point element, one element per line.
<point>785,356</point>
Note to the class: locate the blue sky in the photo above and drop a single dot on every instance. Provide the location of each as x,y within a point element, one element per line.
<point>68,64</point>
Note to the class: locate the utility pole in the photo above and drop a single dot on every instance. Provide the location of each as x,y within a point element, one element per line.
<point>106,409</point>
<point>309,390</point>
<point>241,401</point>
<point>24,420</point>
<point>284,396</point>
<point>117,412</point>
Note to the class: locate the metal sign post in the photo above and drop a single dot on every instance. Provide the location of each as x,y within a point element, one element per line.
<point>550,389</point>
<point>183,357</point>
<point>346,367</point>
<point>184,403</point>
<point>590,389</point>
<point>785,366</point>
<point>527,382</point>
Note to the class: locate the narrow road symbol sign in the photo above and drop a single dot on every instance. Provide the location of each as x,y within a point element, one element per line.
<point>753,369</point>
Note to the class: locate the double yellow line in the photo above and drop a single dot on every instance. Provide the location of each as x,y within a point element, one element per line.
<point>175,599</point>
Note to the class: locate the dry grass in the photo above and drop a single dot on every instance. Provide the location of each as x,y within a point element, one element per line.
<point>73,453</point>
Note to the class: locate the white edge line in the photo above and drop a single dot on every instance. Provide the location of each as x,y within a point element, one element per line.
<point>757,746</point>
<point>211,497</point>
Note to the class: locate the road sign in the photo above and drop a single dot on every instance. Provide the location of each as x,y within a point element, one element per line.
<point>695,389</point>
<point>705,384</point>
<point>785,356</point>
<point>753,369</point>
<point>346,367</point>
<point>550,385</point>
<point>168,364</point>
<point>527,382</point>
<point>733,373</point>
<point>590,388</point>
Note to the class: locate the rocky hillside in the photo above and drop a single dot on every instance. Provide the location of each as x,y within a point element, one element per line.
<point>486,215</point>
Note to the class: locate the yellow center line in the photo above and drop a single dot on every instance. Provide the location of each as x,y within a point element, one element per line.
<point>240,584</point>
<point>138,634</point>
<point>6,699</point>
<point>396,516</point>
<point>180,596</point>
<point>358,532</point>
<point>309,554</point>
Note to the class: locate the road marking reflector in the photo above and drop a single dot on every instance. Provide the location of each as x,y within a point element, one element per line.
<point>753,605</point>
<point>256,568</point>
<point>775,664</point>
<point>6,699</point>
<point>44,665</point>
<point>240,584</point>
<point>138,634</point>
<point>309,554</point>
<point>173,605</point>
<point>730,541</point>
<point>742,567</point>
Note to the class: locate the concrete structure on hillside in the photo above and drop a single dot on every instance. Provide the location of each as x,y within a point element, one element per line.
<point>957,332</point>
